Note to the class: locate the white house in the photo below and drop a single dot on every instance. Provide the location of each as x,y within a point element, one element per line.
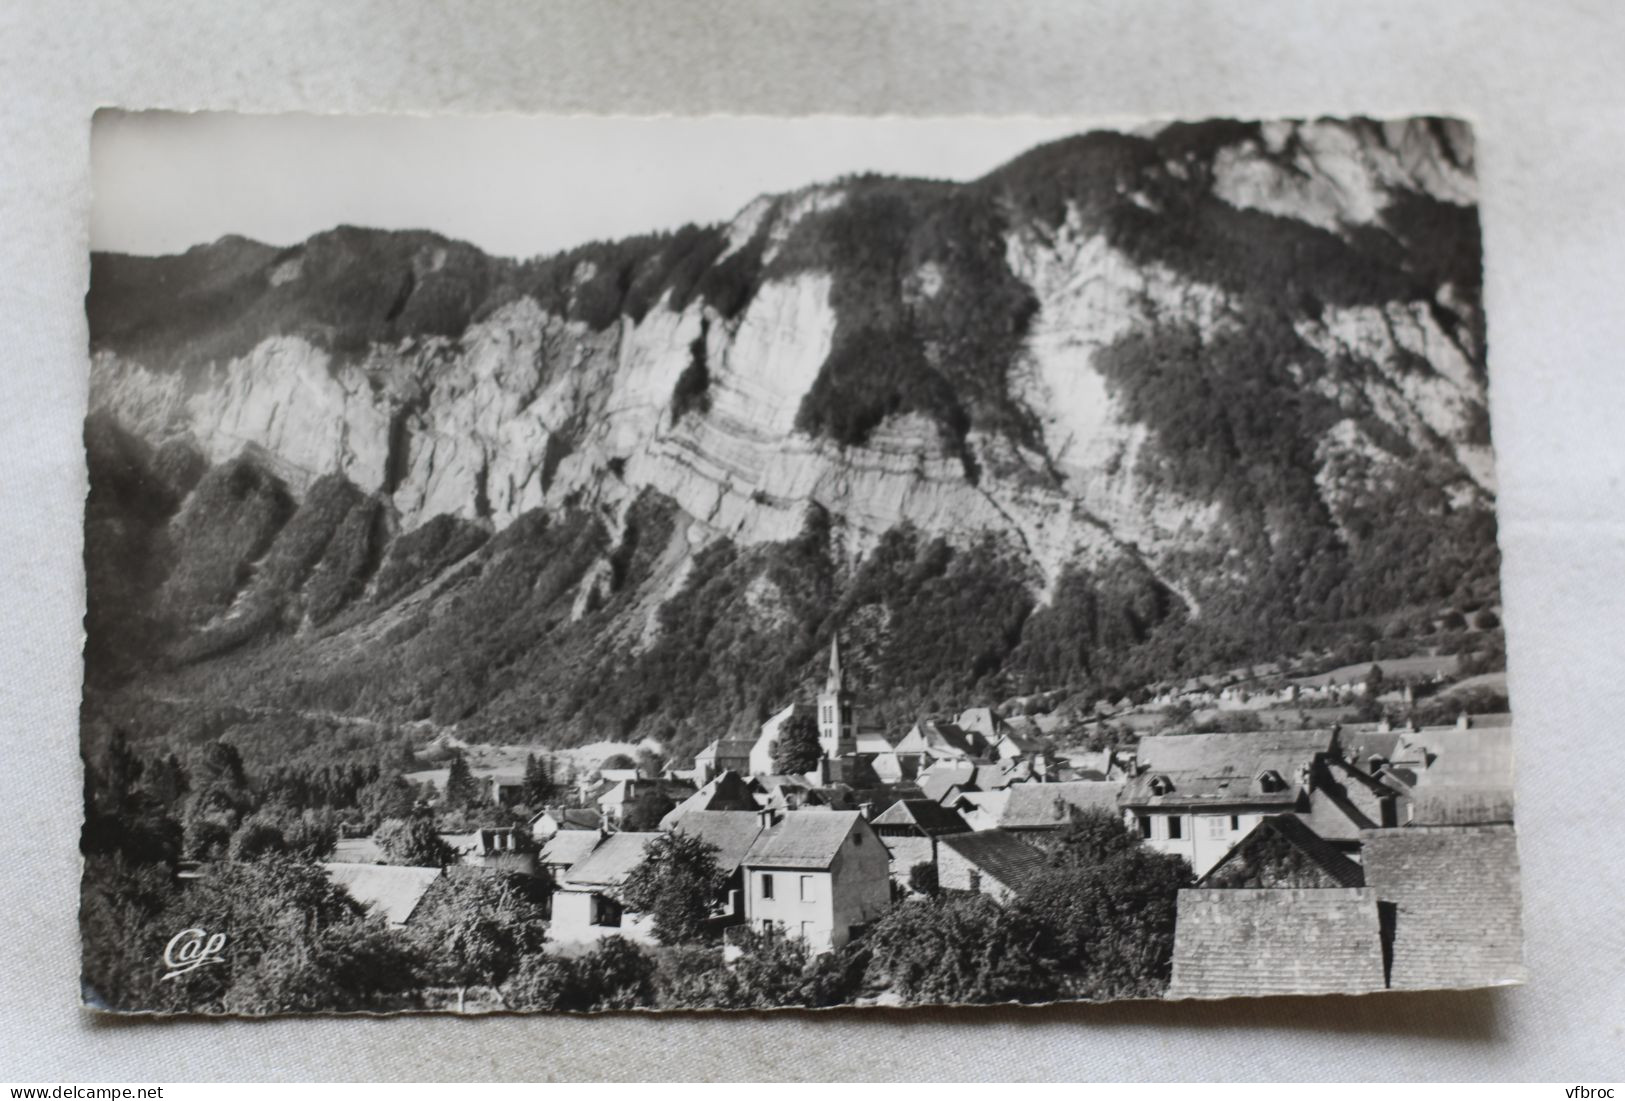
<point>1196,795</point>
<point>586,903</point>
<point>817,875</point>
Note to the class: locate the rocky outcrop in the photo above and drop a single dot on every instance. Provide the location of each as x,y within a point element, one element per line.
<point>529,401</point>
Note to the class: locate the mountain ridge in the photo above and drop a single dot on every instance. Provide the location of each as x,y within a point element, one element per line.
<point>1179,392</point>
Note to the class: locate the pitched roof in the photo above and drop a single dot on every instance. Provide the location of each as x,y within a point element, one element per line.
<point>928,815</point>
<point>1320,853</point>
<point>567,847</point>
<point>944,739</point>
<point>1362,745</point>
<point>610,862</point>
<point>1034,805</point>
<point>1221,768</point>
<point>980,719</point>
<point>394,890</point>
<point>1003,856</point>
<point>1450,805</point>
<point>731,831</point>
<point>1474,757</point>
<point>727,791</point>
<point>987,803</point>
<point>357,850</point>
<point>936,780</point>
<point>1251,942</point>
<point>874,742</point>
<point>464,844</point>
<point>803,839</point>
<point>728,747</point>
<point>989,777</point>
<point>1334,816</point>
<point>1458,910</point>
<point>569,818</point>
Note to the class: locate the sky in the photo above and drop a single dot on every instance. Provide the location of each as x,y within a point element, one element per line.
<point>512,185</point>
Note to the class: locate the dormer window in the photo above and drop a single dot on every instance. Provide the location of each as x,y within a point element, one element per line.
<point>1161,785</point>
<point>1270,781</point>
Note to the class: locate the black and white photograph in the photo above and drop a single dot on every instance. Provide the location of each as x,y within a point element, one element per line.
<point>587,564</point>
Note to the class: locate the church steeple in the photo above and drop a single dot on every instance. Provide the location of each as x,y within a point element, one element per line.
<point>837,712</point>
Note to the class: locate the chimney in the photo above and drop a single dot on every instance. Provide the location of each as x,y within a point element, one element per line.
<point>1384,726</point>
<point>867,810</point>
<point>1463,721</point>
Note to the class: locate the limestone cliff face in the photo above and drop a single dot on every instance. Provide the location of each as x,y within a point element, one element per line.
<point>1053,439</point>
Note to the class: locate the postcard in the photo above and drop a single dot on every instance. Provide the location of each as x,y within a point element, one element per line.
<point>588,564</point>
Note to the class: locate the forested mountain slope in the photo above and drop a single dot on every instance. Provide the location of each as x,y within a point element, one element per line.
<point>1128,406</point>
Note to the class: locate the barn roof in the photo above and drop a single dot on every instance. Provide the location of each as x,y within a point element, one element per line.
<point>1224,768</point>
<point>728,747</point>
<point>1003,856</point>
<point>727,791</point>
<point>393,890</point>
<point>357,850</point>
<point>927,814</point>
<point>610,862</point>
<point>1448,805</point>
<point>936,781</point>
<point>1034,805</point>
<point>731,831</point>
<point>803,839</point>
<point>1478,757</point>
<point>1256,941</point>
<point>1458,910</point>
<point>567,847</point>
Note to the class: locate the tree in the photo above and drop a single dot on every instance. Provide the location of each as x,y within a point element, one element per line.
<point>955,949</point>
<point>615,975</point>
<point>477,929</point>
<point>414,841</point>
<point>616,761</point>
<point>650,763</point>
<point>166,780</point>
<point>797,749</point>
<point>1374,681</point>
<point>121,816</point>
<point>646,811</point>
<point>462,789</point>
<point>219,800</point>
<point>922,878</point>
<point>770,973</point>
<point>259,835</point>
<point>1102,913</point>
<point>295,943</point>
<point>676,883</point>
<point>538,785</point>
<point>389,796</point>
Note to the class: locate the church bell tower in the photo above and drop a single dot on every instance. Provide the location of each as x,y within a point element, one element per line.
<point>837,716</point>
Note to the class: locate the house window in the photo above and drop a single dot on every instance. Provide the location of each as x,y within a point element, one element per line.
<point>606,912</point>
<point>1216,827</point>
<point>1176,827</point>
<point>767,886</point>
<point>1145,825</point>
<point>1235,821</point>
<point>806,888</point>
<point>975,880</point>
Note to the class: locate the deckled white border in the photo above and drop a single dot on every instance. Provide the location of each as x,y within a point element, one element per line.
<point>1539,80</point>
